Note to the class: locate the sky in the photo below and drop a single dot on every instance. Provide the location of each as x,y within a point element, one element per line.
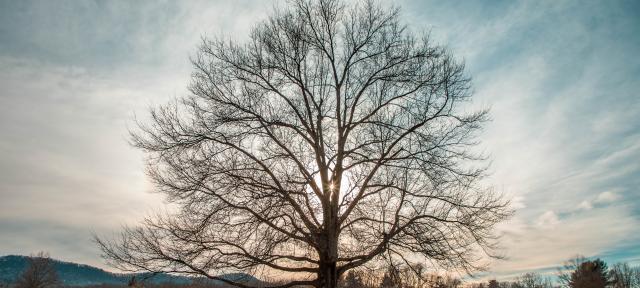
<point>561,78</point>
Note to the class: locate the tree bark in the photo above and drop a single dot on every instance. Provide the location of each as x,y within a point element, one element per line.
<point>328,271</point>
<point>328,275</point>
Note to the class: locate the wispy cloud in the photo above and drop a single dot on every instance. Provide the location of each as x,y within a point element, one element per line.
<point>560,78</point>
<point>73,75</point>
<point>561,85</point>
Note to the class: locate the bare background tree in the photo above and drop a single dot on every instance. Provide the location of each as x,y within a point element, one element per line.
<point>625,276</point>
<point>333,138</point>
<point>532,280</point>
<point>527,280</point>
<point>40,273</point>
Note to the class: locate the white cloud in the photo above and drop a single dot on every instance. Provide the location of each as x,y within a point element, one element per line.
<point>585,205</point>
<point>607,197</point>
<point>603,198</point>
<point>549,239</point>
<point>548,219</point>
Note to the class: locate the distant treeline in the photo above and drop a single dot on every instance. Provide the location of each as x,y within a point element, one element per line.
<point>579,272</point>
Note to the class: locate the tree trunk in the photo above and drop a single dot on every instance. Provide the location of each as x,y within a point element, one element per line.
<point>328,270</point>
<point>328,275</point>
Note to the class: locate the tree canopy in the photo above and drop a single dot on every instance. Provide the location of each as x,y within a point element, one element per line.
<point>333,138</point>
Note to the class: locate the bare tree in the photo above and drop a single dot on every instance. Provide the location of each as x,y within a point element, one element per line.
<point>533,280</point>
<point>625,276</point>
<point>570,266</point>
<point>332,139</point>
<point>392,278</point>
<point>40,273</point>
<point>352,280</point>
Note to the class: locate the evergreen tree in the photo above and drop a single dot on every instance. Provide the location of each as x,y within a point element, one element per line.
<point>590,274</point>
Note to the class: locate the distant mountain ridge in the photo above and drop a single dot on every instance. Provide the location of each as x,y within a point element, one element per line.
<point>73,274</point>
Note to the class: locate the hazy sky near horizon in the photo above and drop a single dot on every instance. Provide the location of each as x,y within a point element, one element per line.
<point>562,80</point>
